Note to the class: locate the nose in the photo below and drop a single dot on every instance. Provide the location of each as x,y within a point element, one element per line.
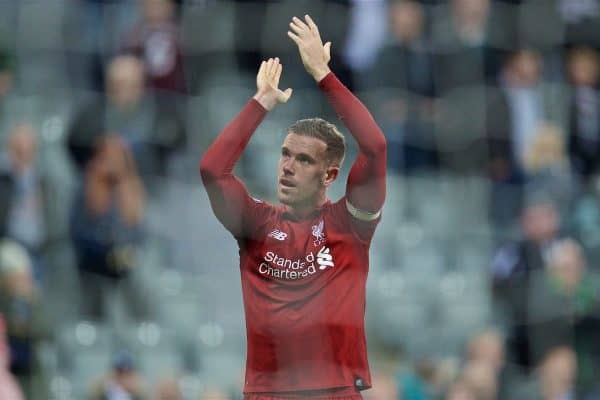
<point>287,166</point>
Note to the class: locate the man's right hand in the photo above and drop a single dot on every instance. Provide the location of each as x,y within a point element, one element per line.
<point>267,83</point>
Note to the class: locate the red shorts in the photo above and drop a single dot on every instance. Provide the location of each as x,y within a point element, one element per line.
<point>261,396</point>
<point>334,394</point>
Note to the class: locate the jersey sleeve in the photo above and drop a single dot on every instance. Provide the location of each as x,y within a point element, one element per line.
<point>365,188</point>
<point>230,201</point>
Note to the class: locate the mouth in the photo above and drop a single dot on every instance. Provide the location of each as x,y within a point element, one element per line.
<point>286,183</point>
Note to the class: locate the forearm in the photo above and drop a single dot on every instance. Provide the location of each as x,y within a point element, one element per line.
<point>355,116</point>
<point>365,188</point>
<point>220,158</point>
<point>226,193</point>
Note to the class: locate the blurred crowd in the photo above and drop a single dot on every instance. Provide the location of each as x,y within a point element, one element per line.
<point>506,92</point>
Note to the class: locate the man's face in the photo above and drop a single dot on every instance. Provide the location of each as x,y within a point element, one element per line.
<point>540,222</point>
<point>22,147</point>
<point>303,170</point>
<point>125,82</point>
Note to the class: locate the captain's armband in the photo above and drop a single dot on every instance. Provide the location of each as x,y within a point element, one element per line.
<point>362,215</point>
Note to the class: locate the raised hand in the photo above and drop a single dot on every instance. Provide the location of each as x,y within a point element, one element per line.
<point>267,84</point>
<point>315,56</point>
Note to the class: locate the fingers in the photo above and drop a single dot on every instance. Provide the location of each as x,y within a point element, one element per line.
<point>327,48</point>
<point>277,74</point>
<point>285,96</point>
<point>300,25</point>
<point>298,30</point>
<point>261,69</point>
<point>294,37</point>
<point>273,66</point>
<point>311,24</point>
<point>269,70</point>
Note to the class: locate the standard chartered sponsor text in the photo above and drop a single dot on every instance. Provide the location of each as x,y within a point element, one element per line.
<point>285,268</point>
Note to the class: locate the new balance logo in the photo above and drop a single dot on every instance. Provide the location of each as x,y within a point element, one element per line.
<point>277,234</point>
<point>324,259</point>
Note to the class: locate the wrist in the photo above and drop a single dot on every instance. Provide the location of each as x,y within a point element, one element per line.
<point>266,99</point>
<point>320,73</point>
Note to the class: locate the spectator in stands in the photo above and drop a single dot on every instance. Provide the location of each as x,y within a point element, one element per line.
<point>23,195</point>
<point>26,324</point>
<point>461,38</point>
<point>92,33</point>
<point>481,377</point>
<point>384,387</point>
<point>9,389</point>
<point>540,229</point>
<point>6,70</point>
<point>581,18</point>
<point>512,266</point>
<point>488,348</point>
<point>585,219</point>
<point>150,132</point>
<point>555,375</point>
<point>123,382</point>
<point>460,390</point>
<point>215,392</point>
<point>584,122</point>
<point>514,116</point>
<point>403,78</point>
<point>405,62</point>
<point>106,226</point>
<point>424,380</point>
<point>530,102</point>
<point>547,168</point>
<point>168,389</point>
<point>366,34</point>
<point>156,40</point>
<point>562,308</point>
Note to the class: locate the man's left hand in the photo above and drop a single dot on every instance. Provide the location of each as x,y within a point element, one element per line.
<point>315,56</point>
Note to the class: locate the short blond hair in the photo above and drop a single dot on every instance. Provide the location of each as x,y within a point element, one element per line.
<point>327,132</point>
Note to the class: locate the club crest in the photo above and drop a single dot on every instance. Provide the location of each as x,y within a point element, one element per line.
<point>317,231</point>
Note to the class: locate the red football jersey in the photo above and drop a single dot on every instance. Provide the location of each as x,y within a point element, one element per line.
<point>303,280</point>
<point>303,284</point>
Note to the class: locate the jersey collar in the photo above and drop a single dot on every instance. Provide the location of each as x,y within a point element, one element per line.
<point>288,212</point>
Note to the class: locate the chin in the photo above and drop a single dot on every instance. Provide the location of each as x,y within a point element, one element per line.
<point>283,199</point>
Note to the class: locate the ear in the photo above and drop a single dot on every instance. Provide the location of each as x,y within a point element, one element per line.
<point>331,174</point>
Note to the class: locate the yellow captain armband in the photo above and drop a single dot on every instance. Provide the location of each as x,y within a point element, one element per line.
<point>360,214</point>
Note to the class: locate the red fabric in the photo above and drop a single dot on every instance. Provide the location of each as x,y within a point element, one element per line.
<point>347,393</point>
<point>303,280</point>
<point>298,396</point>
<point>366,182</point>
<point>311,397</point>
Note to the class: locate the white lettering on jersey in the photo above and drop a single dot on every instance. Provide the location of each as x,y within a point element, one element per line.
<point>277,266</point>
<point>277,234</point>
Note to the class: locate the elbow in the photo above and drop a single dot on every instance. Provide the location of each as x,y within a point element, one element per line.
<point>381,145</point>
<point>378,146</point>
<point>207,171</point>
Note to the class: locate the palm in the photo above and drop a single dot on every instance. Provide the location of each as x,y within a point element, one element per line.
<point>267,80</point>
<point>315,56</point>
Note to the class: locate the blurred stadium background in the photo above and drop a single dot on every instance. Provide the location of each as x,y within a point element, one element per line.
<point>484,276</point>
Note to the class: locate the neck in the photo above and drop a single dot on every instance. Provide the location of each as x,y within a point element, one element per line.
<point>304,210</point>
